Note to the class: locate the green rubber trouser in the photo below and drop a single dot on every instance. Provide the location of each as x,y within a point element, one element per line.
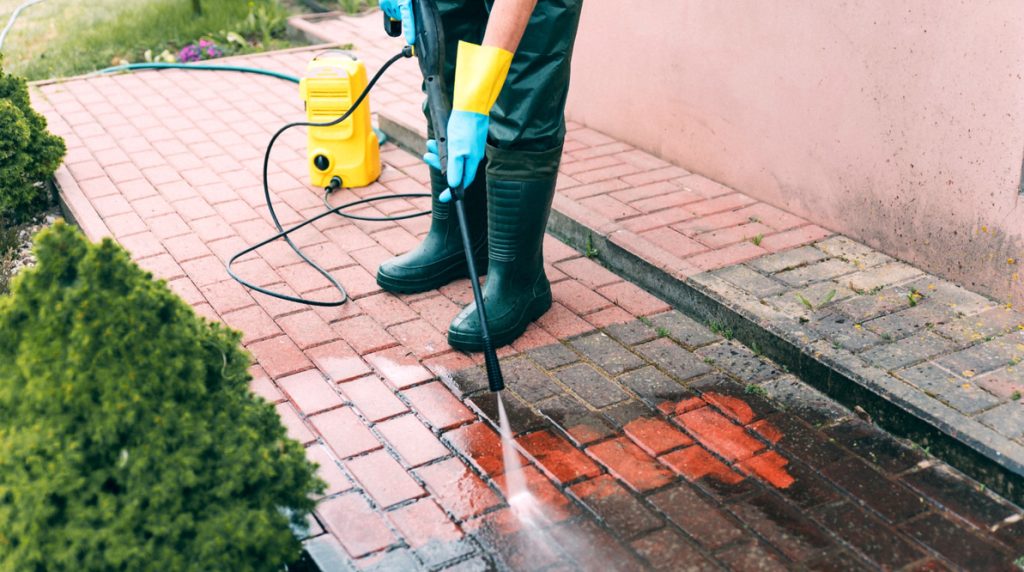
<point>527,125</point>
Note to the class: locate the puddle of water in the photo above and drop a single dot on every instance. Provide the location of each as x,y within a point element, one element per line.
<point>524,505</point>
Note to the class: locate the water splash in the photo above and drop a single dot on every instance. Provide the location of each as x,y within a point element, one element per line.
<point>524,505</point>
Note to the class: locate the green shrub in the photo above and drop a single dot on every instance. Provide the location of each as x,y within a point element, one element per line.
<point>29,154</point>
<point>129,439</point>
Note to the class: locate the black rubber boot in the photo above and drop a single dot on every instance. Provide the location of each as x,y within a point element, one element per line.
<point>440,258</point>
<point>517,291</point>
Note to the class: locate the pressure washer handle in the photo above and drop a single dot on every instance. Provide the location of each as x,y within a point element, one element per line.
<point>392,27</point>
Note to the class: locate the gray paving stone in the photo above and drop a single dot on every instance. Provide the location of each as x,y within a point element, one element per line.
<point>969,399</point>
<point>948,388</point>
<point>607,353</point>
<point>860,255</point>
<point>740,361</point>
<point>528,380</point>
<point>816,272</point>
<point>993,322</point>
<point>631,333</point>
<point>750,280</point>
<point>845,333</point>
<point>591,386</point>
<point>684,330</point>
<point>788,259</point>
<point>791,302</point>
<point>622,413</point>
<point>956,297</point>
<point>865,307</point>
<point>908,351</point>
<point>655,387</point>
<point>675,360</point>
<point>1008,419</point>
<point>803,400</point>
<point>908,322</point>
<point>981,358</point>
<point>553,356</point>
<point>880,276</point>
<point>929,378</point>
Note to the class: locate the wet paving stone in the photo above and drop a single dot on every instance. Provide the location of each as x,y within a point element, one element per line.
<point>959,495</point>
<point>737,359</point>
<point>612,503</point>
<point>521,418</point>
<point>631,464</point>
<point>557,457</point>
<point>797,398</point>
<point>753,557</point>
<point>582,425</point>
<point>960,546</point>
<point>840,560</point>
<point>875,446</point>
<point>684,330</point>
<point>591,386</point>
<point>868,535</point>
<point>808,445</point>
<point>673,359</point>
<point>684,506</point>
<point>735,400</point>
<point>806,489</point>
<point>654,387</point>
<point>784,526</point>
<point>893,501</point>
<point>589,547</point>
<point>608,354</point>
<point>667,549</point>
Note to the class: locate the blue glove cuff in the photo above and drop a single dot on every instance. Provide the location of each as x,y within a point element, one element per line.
<point>467,139</point>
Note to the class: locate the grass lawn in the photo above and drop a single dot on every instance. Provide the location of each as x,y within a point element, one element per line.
<point>67,37</point>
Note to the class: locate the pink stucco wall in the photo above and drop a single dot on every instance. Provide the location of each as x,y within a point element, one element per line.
<point>897,122</point>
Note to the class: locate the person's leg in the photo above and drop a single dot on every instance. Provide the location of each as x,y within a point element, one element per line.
<point>524,150</point>
<point>439,259</point>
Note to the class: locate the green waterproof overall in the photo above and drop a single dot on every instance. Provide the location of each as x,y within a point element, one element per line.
<point>510,198</point>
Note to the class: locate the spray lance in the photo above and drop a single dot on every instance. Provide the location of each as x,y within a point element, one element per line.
<point>429,51</point>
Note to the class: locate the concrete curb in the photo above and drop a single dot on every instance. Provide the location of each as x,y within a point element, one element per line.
<point>76,206</point>
<point>965,443</point>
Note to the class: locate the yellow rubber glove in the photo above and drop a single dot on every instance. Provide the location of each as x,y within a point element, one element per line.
<point>480,72</point>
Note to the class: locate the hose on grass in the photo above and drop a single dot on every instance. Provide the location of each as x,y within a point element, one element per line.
<point>13,18</point>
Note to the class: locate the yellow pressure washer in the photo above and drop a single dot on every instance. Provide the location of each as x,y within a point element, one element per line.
<point>345,153</point>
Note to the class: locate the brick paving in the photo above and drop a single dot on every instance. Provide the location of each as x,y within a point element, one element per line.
<point>649,440</point>
<point>949,356</point>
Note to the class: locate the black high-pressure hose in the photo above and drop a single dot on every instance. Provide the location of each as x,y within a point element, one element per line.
<point>339,210</point>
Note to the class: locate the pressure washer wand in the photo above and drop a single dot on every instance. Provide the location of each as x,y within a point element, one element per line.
<point>429,50</point>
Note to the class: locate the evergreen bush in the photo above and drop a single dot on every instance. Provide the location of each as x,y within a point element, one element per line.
<point>29,154</point>
<point>129,438</point>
